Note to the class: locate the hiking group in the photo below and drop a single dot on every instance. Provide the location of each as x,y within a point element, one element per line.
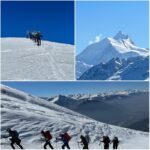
<point>64,137</point>
<point>35,36</point>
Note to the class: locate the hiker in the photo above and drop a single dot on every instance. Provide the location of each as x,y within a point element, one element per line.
<point>38,38</point>
<point>65,138</point>
<point>106,142</point>
<point>47,137</point>
<point>29,35</point>
<point>115,142</point>
<point>14,138</point>
<point>33,36</point>
<point>87,137</point>
<point>84,142</point>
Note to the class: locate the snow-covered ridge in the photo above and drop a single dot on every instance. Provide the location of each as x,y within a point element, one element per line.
<point>135,68</point>
<point>75,100</point>
<point>80,96</point>
<point>29,115</point>
<point>22,59</point>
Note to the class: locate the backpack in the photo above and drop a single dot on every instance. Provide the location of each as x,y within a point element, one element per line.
<point>116,140</point>
<point>47,135</point>
<point>67,137</point>
<point>14,134</point>
<point>107,140</point>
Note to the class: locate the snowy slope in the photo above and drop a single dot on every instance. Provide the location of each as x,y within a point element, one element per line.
<point>120,46</point>
<point>29,115</point>
<point>22,59</point>
<point>135,68</point>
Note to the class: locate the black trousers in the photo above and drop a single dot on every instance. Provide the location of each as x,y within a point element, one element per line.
<point>66,144</point>
<point>85,147</point>
<point>15,141</point>
<point>115,146</point>
<point>48,143</point>
<point>38,42</point>
<point>106,146</point>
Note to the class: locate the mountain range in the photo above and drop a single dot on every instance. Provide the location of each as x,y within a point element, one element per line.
<point>117,108</point>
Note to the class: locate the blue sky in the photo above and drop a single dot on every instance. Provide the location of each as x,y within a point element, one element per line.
<point>55,88</point>
<point>54,19</point>
<point>96,20</point>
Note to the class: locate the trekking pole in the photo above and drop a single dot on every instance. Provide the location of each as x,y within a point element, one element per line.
<point>78,145</point>
<point>100,144</point>
<point>56,143</point>
<point>41,143</point>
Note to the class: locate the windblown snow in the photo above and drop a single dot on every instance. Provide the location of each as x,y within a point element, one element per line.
<point>22,59</point>
<point>29,115</point>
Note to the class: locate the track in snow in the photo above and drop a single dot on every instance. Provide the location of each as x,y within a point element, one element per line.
<point>22,59</point>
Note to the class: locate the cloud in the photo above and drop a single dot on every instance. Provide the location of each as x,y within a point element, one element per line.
<point>91,42</point>
<point>97,39</point>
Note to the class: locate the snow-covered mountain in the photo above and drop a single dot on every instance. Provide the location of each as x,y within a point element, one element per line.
<point>22,59</point>
<point>113,107</point>
<point>120,46</point>
<point>29,115</point>
<point>134,68</point>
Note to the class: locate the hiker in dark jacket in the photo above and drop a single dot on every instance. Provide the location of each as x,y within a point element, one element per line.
<point>115,142</point>
<point>65,138</point>
<point>47,137</point>
<point>14,138</point>
<point>106,142</point>
<point>38,38</point>
<point>84,142</point>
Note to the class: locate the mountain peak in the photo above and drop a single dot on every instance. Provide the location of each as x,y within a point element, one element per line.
<point>120,36</point>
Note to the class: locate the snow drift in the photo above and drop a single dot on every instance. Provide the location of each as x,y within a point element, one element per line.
<point>29,115</point>
<point>24,60</point>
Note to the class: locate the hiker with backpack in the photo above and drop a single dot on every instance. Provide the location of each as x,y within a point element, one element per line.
<point>106,142</point>
<point>88,139</point>
<point>14,138</point>
<point>115,142</point>
<point>37,37</point>
<point>47,137</point>
<point>65,138</point>
<point>84,142</point>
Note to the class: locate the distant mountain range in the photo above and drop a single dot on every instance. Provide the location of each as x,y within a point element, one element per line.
<point>94,62</point>
<point>114,108</point>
